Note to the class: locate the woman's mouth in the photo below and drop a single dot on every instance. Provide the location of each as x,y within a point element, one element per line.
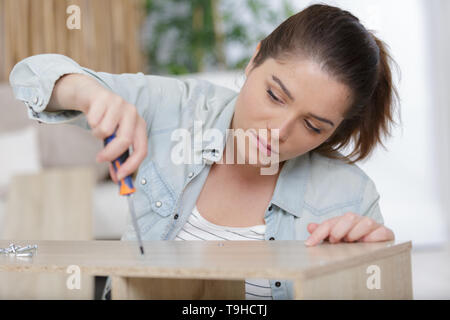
<point>263,145</point>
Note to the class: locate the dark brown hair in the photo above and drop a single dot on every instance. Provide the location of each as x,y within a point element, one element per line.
<point>354,56</point>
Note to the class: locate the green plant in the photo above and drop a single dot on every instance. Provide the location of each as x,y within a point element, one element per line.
<point>183,36</point>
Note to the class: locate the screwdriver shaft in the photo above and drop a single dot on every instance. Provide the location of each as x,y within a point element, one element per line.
<point>134,221</point>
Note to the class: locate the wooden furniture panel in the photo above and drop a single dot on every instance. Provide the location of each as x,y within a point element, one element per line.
<point>351,283</point>
<point>53,205</point>
<point>327,271</point>
<point>176,289</point>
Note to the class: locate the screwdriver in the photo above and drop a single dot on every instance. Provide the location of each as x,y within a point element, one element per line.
<point>127,189</point>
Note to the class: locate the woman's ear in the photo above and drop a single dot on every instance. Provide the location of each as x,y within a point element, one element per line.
<point>249,65</point>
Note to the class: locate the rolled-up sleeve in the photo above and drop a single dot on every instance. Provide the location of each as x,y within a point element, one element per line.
<point>370,205</point>
<point>34,78</point>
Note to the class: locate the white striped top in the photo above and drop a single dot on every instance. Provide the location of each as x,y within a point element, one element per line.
<point>198,228</point>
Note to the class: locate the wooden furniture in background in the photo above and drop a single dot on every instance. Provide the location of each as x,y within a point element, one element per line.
<point>107,41</point>
<point>217,269</point>
<point>53,205</point>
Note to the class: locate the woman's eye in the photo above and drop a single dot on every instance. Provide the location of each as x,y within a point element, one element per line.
<point>316,130</point>
<point>273,96</point>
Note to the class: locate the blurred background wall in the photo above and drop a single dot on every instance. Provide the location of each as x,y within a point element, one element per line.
<point>108,40</point>
<point>437,14</point>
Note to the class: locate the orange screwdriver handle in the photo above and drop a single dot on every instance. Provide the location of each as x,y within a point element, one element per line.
<point>126,184</point>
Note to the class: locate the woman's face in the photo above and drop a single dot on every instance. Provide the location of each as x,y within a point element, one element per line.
<point>303,102</point>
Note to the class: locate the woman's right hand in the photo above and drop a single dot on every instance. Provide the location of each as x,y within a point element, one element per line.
<point>107,112</point>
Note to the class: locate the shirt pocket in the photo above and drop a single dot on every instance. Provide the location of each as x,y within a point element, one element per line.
<point>333,209</point>
<point>159,195</point>
<point>336,194</point>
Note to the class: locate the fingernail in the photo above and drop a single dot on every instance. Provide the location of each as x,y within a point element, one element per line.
<point>308,242</point>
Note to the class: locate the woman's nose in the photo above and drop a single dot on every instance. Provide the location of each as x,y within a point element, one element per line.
<point>285,128</point>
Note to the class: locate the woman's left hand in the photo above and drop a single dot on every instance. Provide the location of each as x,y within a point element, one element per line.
<point>349,227</point>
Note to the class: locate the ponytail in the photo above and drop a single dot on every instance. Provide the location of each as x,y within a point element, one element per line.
<point>377,115</point>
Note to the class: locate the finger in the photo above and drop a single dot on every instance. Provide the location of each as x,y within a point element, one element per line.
<point>122,141</point>
<point>321,232</point>
<point>112,151</point>
<point>113,174</point>
<point>127,132</point>
<point>127,123</point>
<point>311,227</point>
<point>140,145</point>
<point>108,123</point>
<point>343,226</point>
<point>96,113</point>
<point>365,226</point>
<point>380,234</point>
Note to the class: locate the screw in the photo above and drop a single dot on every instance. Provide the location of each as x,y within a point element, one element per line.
<point>18,250</point>
<point>12,248</point>
<point>27,248</point>
<point>25,254</point>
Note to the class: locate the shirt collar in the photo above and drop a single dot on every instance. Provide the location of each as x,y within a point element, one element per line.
<point>292,181</point>
<point>212,151</point>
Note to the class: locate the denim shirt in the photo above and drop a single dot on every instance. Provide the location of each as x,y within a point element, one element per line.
<point>310,188</point>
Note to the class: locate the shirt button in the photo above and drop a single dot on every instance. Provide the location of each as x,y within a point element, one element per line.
<point>191,174</point>
<point>278,284</point>
<point>143,181</point>
<point>35,99</point>
<point>158,204</point>
<point>175,216</point>
<point>271,238</point>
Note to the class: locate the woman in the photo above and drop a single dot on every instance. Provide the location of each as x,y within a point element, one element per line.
<point>317,82</point>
